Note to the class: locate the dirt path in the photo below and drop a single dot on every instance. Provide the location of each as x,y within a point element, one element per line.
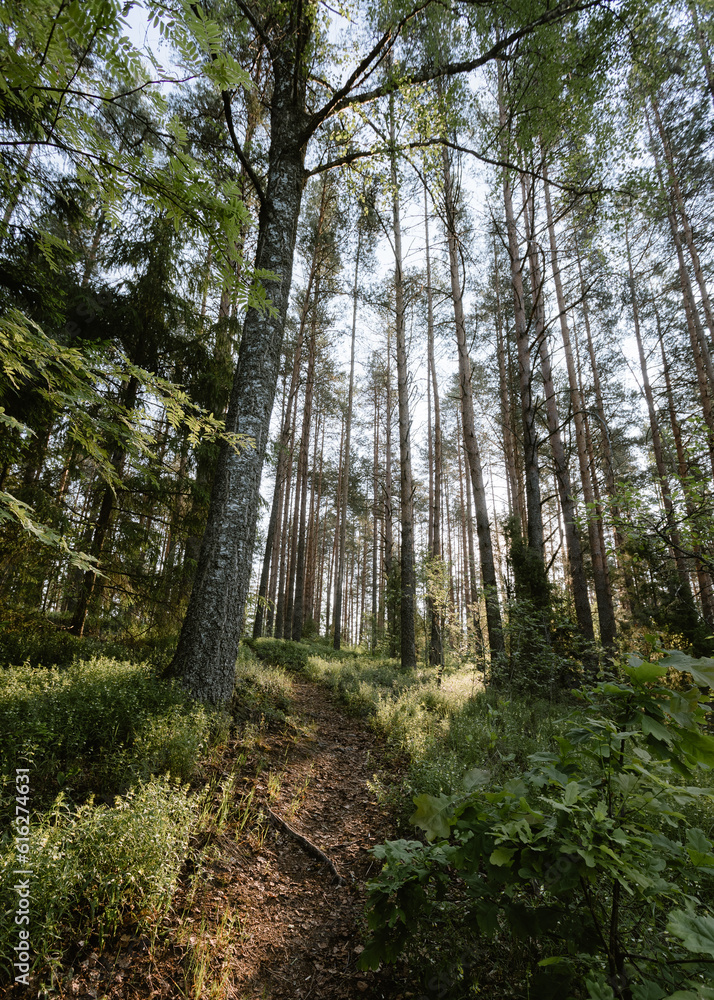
<point>258,917</point>
<point>300,929</point>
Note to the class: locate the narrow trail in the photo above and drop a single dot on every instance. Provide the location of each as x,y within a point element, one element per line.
<point>256,916</point>
<point>300,929</point>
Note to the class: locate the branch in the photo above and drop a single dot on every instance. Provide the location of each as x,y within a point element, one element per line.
<point>348,158</point>
<point>506,165</point>
<point>253,177</point>
<point>341,161</point>
<point>306,844</point>
<point>343,98</point>
<point>260,31</point>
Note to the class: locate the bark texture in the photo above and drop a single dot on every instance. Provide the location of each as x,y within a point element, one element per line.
<point>208,645</point>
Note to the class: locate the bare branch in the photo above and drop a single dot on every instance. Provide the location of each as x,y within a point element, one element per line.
<point>253,177</point>
<point>424,75</point>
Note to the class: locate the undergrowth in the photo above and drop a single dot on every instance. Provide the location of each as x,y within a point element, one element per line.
<point>446,723</point>
<point>117,760</point>
<point>500,901</point>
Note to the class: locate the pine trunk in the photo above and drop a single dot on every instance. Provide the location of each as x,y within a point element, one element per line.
<point>345,472</point>
<point>606,614</point>
<point>483,528</point>
<point>562,473</point>
<point>408,575</point>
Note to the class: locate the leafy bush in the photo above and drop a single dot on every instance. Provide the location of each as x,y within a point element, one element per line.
<point>31,638</point>
<point>260,689</point>
<point>95,868</point>
<point>97,726</point>
<point>591,866</point>
<point>545,650</point>
<point>280,652</point>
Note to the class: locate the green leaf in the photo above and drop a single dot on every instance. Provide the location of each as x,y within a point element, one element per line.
<point>572,793</point>
<point>699,848</point>
<point>651,727</point>
<point>431,813</point>
<point>647,990</point>
<point>701,668</point>
<point>475,777</point>
<point>502,856</point>
<point>644,672</point>
<point>599,990</point>
<point>696,933</point>
<point>699,745</point>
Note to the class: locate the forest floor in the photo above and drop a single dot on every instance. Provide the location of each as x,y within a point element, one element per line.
<point>256,916</point>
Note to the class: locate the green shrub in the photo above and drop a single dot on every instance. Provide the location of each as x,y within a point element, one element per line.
<point>32,638</point>
<point>591,865</point>
<point>97,726</point>
<point>545,651</point>
<point>260,689</point>
<point>95,868</point>
<point>280,652</point>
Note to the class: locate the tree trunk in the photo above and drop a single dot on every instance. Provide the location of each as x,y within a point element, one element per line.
<point>680,563</point>
<point>408,575</point>
<point>606,614</point>
<point>509,443</point>
<point>345,472</point>
<point>434,609</point>
<point>208,645</point>
<point>688,237</point>
<point>627,592</point>
<point>375,533</point>
<point>700,349</point>
<point>701,42</point>
<point>389,511</point>
<point>528,409</point>
<point>127,399</point>
<point>562,473</point>
<point>483,528</point>
<point>703,578</point>
<point>297,617</point>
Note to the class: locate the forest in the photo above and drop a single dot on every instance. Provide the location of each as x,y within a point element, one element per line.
<point>357,452</point>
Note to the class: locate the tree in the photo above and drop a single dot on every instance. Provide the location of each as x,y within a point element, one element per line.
<point>207,648</point>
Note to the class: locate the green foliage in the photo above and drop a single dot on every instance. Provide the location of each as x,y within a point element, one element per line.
<point>64,75</point>
<point>649,537</point>
<point>80,384</point>
<point>591,864</point>
<point>96,727</point>
<point>32,639</point>
<point>544,648</point>
<point>95,868</point>
<point>261,689</point>
<point>529,572</point>
<point>280,653</point>
<point>104,863</point>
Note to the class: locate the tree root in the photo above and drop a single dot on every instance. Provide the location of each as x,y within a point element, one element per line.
<point>306,845</point>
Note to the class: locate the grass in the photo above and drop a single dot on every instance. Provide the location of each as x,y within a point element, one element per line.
<point>124,768</point>
<point>445,728</point>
